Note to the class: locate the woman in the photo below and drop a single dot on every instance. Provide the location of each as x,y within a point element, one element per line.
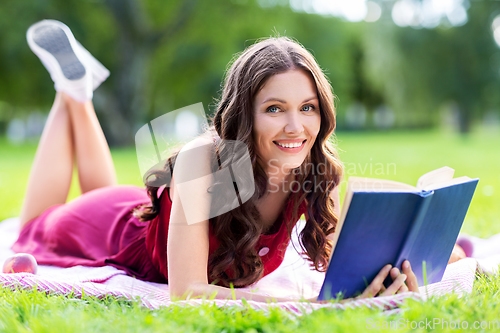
<point>275,100</point>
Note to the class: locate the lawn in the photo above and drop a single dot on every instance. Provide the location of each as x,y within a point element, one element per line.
<point>402,156</point>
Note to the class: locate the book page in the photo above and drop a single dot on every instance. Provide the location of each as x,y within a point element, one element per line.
<point>377,185</point>
<point>454,181</point>
<point>440,175</point>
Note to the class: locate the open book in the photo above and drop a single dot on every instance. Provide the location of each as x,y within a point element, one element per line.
<point>386,222</point>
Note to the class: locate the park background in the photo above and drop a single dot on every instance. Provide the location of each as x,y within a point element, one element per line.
<point>406,72</point>
<point>416,84</point>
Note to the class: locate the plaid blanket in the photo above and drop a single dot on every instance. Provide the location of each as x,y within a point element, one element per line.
<point>293,279</point>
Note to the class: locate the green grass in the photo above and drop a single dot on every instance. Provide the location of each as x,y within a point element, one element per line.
<point>30,311</point>
<point>402,156</point>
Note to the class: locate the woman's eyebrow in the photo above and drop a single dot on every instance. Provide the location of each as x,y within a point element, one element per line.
<point>284,102</point>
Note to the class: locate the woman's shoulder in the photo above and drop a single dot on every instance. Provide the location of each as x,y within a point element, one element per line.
<point>206,141</point>
<point>194,159</point>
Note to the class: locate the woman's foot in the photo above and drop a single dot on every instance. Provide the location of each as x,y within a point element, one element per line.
<point>457,254</point>
<point>72,68</point>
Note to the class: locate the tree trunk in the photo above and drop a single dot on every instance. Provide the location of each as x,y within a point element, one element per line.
<point>464,120</point>
<point>124,107</point>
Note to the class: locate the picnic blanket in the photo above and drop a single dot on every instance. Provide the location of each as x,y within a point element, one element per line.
<point>293,279</point>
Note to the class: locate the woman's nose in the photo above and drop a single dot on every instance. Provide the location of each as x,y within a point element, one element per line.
<point>294,123</point>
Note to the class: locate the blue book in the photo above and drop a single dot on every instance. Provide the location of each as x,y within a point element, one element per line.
<point>386,222</point>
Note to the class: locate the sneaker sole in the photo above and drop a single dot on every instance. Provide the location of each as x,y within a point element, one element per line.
<point>54,40</point>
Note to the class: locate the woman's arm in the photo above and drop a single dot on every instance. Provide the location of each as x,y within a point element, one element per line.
<point>188,241</point>
<point>187,252</point>
<point>227,293</point>
<point>334,194</point>
<point>188,235</point>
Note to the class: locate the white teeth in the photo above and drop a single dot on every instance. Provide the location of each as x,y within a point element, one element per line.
<point>290,145</point>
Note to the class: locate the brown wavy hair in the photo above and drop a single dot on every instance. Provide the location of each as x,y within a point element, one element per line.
<point>236,262</point>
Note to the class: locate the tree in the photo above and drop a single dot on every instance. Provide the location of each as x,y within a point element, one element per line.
<point>420,69</point>
<point>124,41</point>
<point>162,55</point>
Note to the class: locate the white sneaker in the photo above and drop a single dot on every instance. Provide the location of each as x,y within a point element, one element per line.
<point>72,68</point>
<point>99,72</point>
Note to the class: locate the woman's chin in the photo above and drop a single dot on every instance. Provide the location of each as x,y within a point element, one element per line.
<point>290,166</point>
<point>282,166</point>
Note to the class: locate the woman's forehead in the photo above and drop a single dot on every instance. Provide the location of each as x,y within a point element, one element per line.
<point>290,86</point>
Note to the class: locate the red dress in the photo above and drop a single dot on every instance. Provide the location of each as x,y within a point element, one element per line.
<point>99,228</point>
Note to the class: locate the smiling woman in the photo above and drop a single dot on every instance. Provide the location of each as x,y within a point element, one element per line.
<point>287,119</point>
<point>276,103</point>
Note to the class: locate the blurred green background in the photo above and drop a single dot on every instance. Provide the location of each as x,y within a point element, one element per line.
<point>393,64</point>
<point>417,81</point>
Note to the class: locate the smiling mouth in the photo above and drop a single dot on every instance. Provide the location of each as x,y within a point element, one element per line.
<point>290,145</point>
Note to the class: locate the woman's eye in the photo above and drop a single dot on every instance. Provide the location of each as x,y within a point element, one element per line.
<point>308,108</point>
<point>273,109</point>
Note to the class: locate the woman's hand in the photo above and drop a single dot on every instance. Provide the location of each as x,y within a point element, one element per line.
<point>402,282</point>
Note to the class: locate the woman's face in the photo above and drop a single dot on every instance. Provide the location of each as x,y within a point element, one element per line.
<point>286,120</point>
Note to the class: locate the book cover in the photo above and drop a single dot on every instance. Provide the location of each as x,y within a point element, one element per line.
<point>380,228</point>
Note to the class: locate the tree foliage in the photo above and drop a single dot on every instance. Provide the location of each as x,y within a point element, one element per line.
<point>164,55</point>
<point>418,70</point>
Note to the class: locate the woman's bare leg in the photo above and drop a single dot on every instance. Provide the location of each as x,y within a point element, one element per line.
<point>72,130</point>
<point>93,158</point>
<point>50,176</point>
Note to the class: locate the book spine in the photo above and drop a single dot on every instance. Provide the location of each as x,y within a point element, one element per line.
<point>416,225</point>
